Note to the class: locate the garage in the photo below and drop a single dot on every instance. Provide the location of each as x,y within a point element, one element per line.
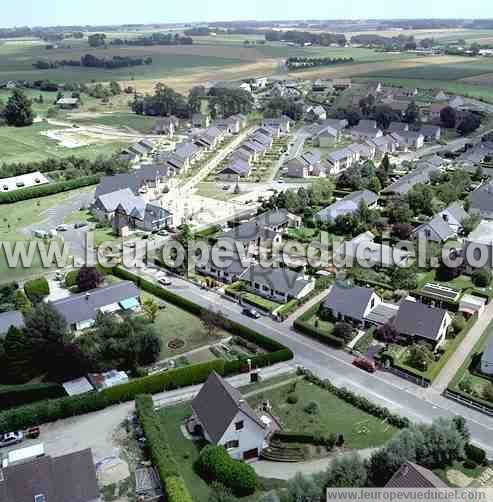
<point>249,454</point>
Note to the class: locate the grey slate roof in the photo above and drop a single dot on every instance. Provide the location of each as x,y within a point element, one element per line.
<point>415,476</point>
<point>415,318</point>
<point>350,301</point>
<point>85,306</point>
<point>482,198</point>
<point>125,196</point>
<point>488,351</point>
<point>420,175</point>
<point>217,404</point>
<point>348,204</point>
<point>439,226</point>
<point>8,319</point>
<point>67,478</point>
<point>237,166</point>
<point>279,279</point>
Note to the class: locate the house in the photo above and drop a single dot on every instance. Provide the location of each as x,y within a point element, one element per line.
<point>235,168</point>
<point>350,303</point>
<point>327,138</point>
<point>316,113</point>
<point>456,102</point>
<point>436,109</point>
<point>278,284</point>
<point>297,168</point>
<point>420,175</point>
<point>80,310</point>
<point>404,92</point>
<point>341,84</point>
<point>266,228</point>
<point>445,225</point>
<point>308,164</point>
<point>23,181</point>
<point>441,96</point>
<point>366,129</point>
<point>201,120</point>
<point>224,417</point>
<point>364,248</point>
<point>481,201</point>
<point>68,103</point>
<point>210,138</point>
<point>136,214</point>
<point>347,205</point>
<point>416,322</point>
<point>339,160</point>
<point>431,133</point>
<point>69,477</point>
<point>406,140</point>
<point>230,125</point>
<point>166,126</point>
<point>187,153</point>
<point>10,319</point>
<point>481,240</point>
<point>383,145</point>
<point>487,358</point>
<point>477,153</point>
<point>412,475</point>
<point>233,269</point>
<point>364,151</point>
<point>398,127</point>
<point>398,107</point>
<point>283,123</point>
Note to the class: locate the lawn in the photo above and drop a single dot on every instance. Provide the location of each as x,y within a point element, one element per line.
<point>174,323</point>
<point>336,416</point>
<point>467,381</point>
<point>140,123</point>
<point>260,302</point>
<point>14,218</point>
<point>325,327</point>
<point>29,144</point>
<point>214,190</point>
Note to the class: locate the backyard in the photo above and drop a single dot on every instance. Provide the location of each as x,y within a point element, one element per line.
<point>334,416</point>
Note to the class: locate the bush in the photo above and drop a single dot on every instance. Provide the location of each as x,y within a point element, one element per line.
<point>469,464</point>
<point>306,438</point>
<point>301,324</point>
<point>19,395</point>
<point>292,398</point>
<point>176,490</point>
<point>37,289</point>
<point>312,408</point>
<point>481,277</point>
<point>214,464</point>
<point>49,189</point>
<point>71,278</point>
<point>475,454</point>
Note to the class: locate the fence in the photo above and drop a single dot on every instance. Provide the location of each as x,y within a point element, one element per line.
<point>459,398</point>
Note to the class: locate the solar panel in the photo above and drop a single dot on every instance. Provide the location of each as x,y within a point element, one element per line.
<point>441,291</point>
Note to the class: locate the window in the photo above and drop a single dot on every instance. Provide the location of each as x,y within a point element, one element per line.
<point>239,425</point>
<point>232,444</point>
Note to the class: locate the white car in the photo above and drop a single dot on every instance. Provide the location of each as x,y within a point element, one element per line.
<point>164,281</point>
<point>163,233</point>
<point>130,244</point>
<point>11,438</point>
<point>62,228</point>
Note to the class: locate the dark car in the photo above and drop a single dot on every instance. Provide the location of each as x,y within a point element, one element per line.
<point>80,224</point>
<point>251,313</point>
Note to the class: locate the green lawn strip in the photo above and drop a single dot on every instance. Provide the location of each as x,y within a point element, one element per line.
<point>464,371</point>
<point>174,323</point>
<point>434,368</point>
<point>336,416</point>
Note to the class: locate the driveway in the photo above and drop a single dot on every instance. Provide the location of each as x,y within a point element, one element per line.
<point>288,470</point>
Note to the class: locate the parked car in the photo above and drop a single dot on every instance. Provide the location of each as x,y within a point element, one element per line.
<point>251,313</point>
<point>130,244</point>
<point>62,228</point>
<point>163,233</point>
<point>33,433</point>
<point>80,224</point>
<point>365,364</point>
<point>225,187</point>
<point>10,438</point>
<point>164,281</point>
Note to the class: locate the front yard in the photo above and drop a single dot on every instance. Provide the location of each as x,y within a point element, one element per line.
<point>334,416</point>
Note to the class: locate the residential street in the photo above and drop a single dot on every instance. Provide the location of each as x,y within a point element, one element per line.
<point>382,388</point>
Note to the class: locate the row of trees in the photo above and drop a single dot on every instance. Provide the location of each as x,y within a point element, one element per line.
<point>464,123</point>
<point>305,37</point>
<point>154,39</point>
<point>165,101</point>
<point>299,63</point>
<point>91,61</point>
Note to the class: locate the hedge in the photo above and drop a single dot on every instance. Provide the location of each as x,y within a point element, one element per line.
<point>476,454</point>
<point>36,289</point>
<point>65,407</point>
<point>161,455</point>
<point>360,402</point>
<point>18,395</point>
<point>49,189</point>
<point>304,327</point>
<point>306,438</point>
<point>71,278</point>
<point>215,464</point>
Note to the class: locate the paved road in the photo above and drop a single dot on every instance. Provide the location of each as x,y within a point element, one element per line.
<point>383,388</point>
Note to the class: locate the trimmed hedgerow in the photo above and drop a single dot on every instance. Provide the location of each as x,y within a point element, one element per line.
<point>215,464</point>
<point>37,289</point>
<point>18,395</point>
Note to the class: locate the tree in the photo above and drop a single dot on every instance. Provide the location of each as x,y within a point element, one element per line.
<point>470,223</point>
<point>488,392</point>
<point>469,124</point>
<point>387,333</point>
<point>448,117</point>
<point>18,110</point>
<point>97,39</point>
<point>195,98</point>
<point>219,493</point>
<point>18,362</point>
<point>115,88</point>
<point>481,277</point>
<point>412,115</point>
<point>375,184</point>
<point>461,425</point>
<point>420,356</point>
<point>88,278</point>
<point>402,230</point>
<point>404,278</point>
<point>302,489</point>
<point>22,302</point>
<point>347,472</point>
<point>459,323</point>
<point>150,308</point>
<point>344,331</point>
<point>384,115</point>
